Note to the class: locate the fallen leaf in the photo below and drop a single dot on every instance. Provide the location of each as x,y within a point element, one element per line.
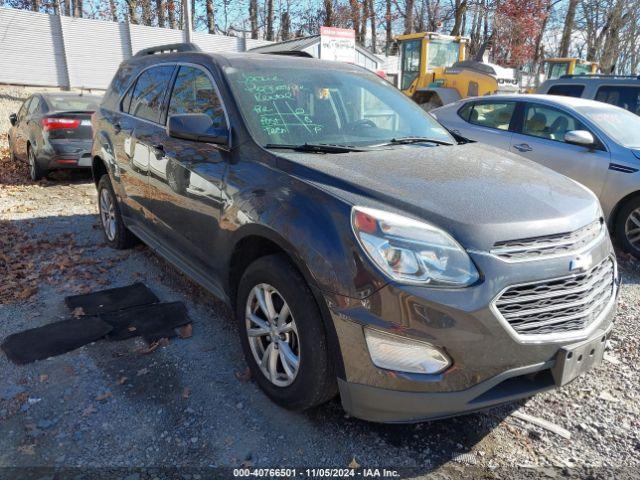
<point>186,392</point>
<point>88,411</point>
<point>244,376</point>
<point>121,380</point>
<point>143,371</point>
<point>44,377</point>
<point>103,396</point>
<point>186,331</point>
<point>78,312</point>
<point>27,449</point>
<point>353,464</point>
<point>132,328</point>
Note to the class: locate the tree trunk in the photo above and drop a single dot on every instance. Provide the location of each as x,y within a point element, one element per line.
<point>269,22</point>
<point>171,14</point>
<point>35,5</point>
<point>328,13</point>
<point>285,25</point>
<point>355,17</point>
<point>460,10</point>
<point>363,22</point>
<point>372,19</point>
<point>211,19</point>
<point>77,8</point>
<point>568,29</point>
<point>133,14</point>
<point>408,16</point>
<point>146,12</point>
<point>253,18</point>
<point>113,10</point>
<point>56,7</point>
<point>537,54</point>
<point>388,27</point>
<point>160,10</point>
<point>193,14</point>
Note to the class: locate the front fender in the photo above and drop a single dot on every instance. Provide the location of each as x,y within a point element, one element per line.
<point>314,228</point>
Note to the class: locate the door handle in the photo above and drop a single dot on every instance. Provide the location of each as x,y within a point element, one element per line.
<point>158,150</point>
<point>523,147</point>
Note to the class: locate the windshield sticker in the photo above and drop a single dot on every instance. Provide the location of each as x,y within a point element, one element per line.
<point>279,104</point>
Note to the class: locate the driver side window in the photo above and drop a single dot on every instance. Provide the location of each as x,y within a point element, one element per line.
<point>23,110</point>
<point>550,123</point>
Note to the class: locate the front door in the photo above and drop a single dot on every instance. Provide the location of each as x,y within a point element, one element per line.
<point>541,139</point>
<point>186,184</point>
<point>19,140</point>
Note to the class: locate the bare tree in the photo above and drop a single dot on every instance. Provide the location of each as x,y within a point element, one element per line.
<point>269,21</point>
<point>160,12</point>
<point>211,20</point>
<point>77,8</point>
<point>388,22</point>
<point>35,5</point>
<point>355,17</point>
<point>193,14</point>
<point>132,6</point>
<point>253,18</point>
<point>567,30</point>
<point>328,13</point>
<point>285,25</point>
<point>460,9</point>
<point>171,13</point>
<point>56,7</point>
<point>146,12</point>
<point>372,19</point>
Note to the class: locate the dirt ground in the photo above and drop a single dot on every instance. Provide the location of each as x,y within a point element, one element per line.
<point>189,403</point>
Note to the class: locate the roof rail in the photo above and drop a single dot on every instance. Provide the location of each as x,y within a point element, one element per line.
<point>602,75</point>
<point>169,47</point>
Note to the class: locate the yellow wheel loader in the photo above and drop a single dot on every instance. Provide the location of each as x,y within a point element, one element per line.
<point>434,71</point>
<point>557,67</point>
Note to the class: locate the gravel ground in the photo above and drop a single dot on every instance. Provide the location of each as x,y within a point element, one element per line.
<point>189,403</point>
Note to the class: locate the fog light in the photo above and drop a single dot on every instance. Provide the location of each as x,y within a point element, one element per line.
<point>403,354</point>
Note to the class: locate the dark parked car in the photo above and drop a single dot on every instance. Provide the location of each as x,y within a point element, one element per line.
<point>363,250</point>
<point>53,131</point>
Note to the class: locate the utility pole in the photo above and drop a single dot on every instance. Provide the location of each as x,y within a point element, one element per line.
<point>186,21</point>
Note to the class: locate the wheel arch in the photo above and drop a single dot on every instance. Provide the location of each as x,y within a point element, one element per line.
<point>613,217</point>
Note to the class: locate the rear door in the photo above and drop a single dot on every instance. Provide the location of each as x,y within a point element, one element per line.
<point>487,122</point>
<point>185,184</point>
<point>540,137</point>
<point>141,132</point>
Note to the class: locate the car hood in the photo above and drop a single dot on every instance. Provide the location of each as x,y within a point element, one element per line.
<point>478,193</point>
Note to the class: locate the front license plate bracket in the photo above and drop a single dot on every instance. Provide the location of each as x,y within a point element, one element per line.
<point>573,360</point>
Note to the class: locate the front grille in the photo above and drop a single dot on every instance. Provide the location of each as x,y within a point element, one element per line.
<point>549,245</point>
<point>562,305</point>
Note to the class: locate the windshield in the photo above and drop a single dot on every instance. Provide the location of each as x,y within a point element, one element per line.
<point>582,69</point>
<point>442,53</point>
<point>80,104</point>
<point>337,107</point>
<point>622,126</point>
<point>556,70</point>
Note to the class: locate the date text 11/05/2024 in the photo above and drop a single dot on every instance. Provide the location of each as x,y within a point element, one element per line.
<point>316,472</point>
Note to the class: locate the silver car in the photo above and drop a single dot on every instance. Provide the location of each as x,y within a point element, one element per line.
<point>592,142</point>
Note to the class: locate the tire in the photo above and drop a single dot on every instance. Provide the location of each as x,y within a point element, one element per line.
<point>115,232</point>
<point>314,381</point>
<point>627,227</point>
<point>12,154</point>
<point>36,172</point>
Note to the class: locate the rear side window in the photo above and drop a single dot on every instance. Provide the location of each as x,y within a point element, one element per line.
<point>626,97</point>
<point>25,107</point>
<point>117,87</point>
<point>567,90</point>
<point>492,114</point>
<point>33,107</point>
<point>193,92</point>
<point>148,93</point>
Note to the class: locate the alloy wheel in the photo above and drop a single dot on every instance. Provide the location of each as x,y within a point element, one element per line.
<point>632,228</point>
<point>32,165</point>
<point>273,335</point>
<point>108,214</point>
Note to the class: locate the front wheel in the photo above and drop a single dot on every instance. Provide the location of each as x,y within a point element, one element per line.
<point>115,232</point>
<point>283,336</point>
<point>627,228</point>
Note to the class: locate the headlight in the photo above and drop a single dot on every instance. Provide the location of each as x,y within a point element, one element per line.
<point>404,354</point>
<point>410,251</point>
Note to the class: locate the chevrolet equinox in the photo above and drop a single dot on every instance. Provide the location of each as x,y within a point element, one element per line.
<point>364,250</point>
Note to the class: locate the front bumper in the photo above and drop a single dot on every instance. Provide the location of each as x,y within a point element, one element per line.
<point>491,365</point>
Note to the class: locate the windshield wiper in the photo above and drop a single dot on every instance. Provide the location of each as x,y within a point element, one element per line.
<point>407,140</point>
<point>316,147</point>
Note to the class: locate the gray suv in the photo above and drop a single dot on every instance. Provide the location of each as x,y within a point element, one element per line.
<point>363,250</point>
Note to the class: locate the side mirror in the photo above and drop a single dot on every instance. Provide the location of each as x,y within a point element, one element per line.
<point>13,119</point>
<point>197,127</point>
<point>580,137</point>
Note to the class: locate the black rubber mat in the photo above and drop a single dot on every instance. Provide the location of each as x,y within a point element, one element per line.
<point>152,322</point>
<point>53,339</point>
<point>113,299</point>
